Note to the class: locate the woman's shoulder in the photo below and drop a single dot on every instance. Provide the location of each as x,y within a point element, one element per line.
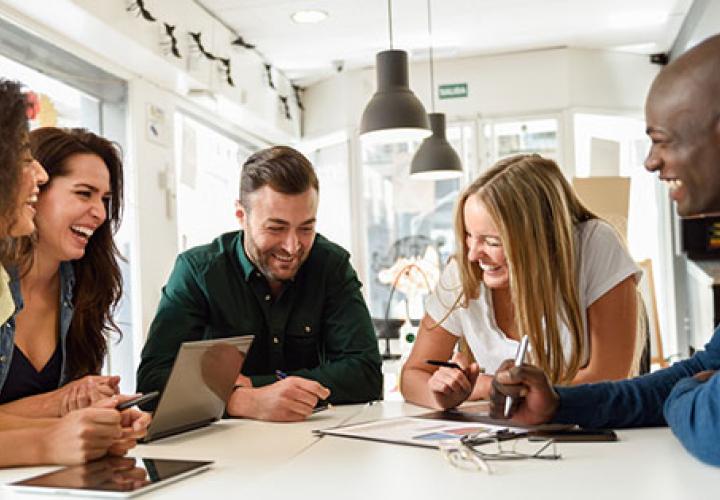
<point>595,232</point>
<point>450,275</point>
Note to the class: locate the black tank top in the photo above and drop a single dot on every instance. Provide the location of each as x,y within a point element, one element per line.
<point>24,380</point>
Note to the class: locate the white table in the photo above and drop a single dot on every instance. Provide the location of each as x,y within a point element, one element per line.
<point>256,460</point>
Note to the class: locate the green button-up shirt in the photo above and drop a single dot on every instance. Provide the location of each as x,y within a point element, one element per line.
<point>318,327</point>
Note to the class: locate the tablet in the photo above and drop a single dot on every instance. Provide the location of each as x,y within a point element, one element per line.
<point>111,477</point>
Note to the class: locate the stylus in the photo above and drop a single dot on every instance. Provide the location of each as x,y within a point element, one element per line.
<point>137,401</point>
<point>519,359</point>
<point>446,364</point>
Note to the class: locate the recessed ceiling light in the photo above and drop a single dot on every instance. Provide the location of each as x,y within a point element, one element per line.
<point>309,16</point>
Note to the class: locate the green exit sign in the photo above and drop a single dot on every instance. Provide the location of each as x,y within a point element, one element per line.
<point>453,90</point>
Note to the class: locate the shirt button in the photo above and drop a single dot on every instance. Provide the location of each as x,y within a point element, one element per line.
<point>308,329</point>
<point>2,358</point>
<point>276,340</point>
<point>267,297</point>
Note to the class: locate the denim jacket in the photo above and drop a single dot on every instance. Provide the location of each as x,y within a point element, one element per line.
<point>7,330</point>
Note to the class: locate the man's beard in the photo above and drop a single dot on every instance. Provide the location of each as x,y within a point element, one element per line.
<point>262,261</point>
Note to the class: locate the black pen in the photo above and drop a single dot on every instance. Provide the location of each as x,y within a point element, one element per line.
<point>446,364</point>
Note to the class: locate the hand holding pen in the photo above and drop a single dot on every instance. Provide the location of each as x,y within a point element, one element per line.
<point>533,399</point>
<point>453,382</point>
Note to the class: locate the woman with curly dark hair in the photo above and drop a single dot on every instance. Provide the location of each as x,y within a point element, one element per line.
<point>71,281</point>
<point>81,435</point>
<point>18,171</point>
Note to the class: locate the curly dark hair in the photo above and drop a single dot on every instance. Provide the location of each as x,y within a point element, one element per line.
<point>98,286</point>
<point>13,132</point>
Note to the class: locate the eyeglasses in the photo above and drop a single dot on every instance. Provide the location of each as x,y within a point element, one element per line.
<point>474,451</point>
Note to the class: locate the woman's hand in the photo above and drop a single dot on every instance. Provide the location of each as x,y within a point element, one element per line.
<point>80,436</point>
<point>452,386</point>
<point>134,424</point>
<point>86,391</point>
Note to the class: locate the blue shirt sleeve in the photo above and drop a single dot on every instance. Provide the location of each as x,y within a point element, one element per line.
<point>636,402</point>
<point>693,412</point>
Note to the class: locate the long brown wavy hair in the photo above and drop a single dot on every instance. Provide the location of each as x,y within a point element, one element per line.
<point>98,285</point>
<point>13,133</point>
<point>535,210</point>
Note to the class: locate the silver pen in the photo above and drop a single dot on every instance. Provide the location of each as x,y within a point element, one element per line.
<point>519,359</point>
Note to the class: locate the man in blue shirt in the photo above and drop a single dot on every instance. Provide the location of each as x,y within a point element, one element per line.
<point>682,112</point>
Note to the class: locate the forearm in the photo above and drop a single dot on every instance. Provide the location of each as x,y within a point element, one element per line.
<point>693,412</point>
<point>28,448</point>
<point>636,402</point>
<point>414,387</point>
<point>612,371</point>
<point>632,403</point>
<point>9,421</point>
<point>46,405</point>
<point>243,403</point>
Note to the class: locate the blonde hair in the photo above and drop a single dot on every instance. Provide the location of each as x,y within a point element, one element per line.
<point>535,211</point>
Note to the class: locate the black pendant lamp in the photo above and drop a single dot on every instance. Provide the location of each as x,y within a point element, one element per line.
<point>394,113</point>
<point>435,159</point>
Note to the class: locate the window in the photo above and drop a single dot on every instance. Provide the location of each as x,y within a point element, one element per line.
<point>208,180</point>
<point>406,218</point>
<point>85,97</point>
<point>508,137</point>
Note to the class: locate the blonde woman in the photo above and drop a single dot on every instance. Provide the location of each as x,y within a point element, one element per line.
<point>531,260</point>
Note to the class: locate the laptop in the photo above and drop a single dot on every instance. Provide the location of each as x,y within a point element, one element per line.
<point>199,385</point>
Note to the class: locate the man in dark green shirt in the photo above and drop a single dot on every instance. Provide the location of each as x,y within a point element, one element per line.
<point>280,281</point>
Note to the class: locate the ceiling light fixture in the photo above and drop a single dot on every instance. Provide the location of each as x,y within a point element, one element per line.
<point>309,16</point>
<point>435,159</point>
<point>394,113</point>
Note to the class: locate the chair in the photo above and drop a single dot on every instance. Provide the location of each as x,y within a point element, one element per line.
<point>646,287</point>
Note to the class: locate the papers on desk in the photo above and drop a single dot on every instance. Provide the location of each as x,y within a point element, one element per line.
<point>416,431</point>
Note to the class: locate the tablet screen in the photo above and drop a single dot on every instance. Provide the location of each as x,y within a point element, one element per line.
<point>112,476</point>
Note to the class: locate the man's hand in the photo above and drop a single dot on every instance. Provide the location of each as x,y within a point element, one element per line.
<point>86,391</point>
<point>450,386</point>
<point>81,436</point>
<point>534,399</point>
<point>288,400</point>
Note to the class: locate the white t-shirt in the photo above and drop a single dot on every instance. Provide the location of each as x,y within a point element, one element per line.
<point>604,262</point>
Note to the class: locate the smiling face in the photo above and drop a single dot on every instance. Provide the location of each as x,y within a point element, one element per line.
<point>484,244</point>
<point>279,230</point>
<point>33,176</point>
<point>72,207</point>
<point>683,122</point>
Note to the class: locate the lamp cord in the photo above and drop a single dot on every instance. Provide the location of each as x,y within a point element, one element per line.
<point>390,23</point>
<point>432,68</point>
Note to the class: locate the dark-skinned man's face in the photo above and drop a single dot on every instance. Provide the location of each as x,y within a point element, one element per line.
<point>685,145</point>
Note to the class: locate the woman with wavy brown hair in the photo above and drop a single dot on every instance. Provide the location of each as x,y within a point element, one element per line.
<point>69,281</point>
<point>80,435</point>
<point>531,260</point>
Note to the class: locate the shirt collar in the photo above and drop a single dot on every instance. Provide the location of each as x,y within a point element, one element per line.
<point>245,263</point>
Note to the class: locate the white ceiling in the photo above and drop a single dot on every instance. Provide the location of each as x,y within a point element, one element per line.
<point>356,29</point>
